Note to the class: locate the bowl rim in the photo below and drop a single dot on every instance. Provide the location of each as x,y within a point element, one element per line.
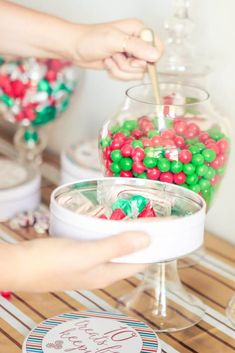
<point>56,209</point>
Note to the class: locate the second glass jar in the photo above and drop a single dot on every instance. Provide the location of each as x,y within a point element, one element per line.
<point>182,141</point>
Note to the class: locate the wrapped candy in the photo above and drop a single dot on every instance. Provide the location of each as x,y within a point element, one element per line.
<point>5,294</point>
<point>34,91</point>
<point>136,207</point>
<point>38,220</point>
<point>122,203</point>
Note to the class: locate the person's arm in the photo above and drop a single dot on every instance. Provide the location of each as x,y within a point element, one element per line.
<point>113,46</point>
<point>51,264</point>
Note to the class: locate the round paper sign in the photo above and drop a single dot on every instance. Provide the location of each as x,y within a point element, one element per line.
<point>92,332</point>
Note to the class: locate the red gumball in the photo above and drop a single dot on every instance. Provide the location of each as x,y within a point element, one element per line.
<point>107,152</point>
<point>179,178</point>
<point>215,180</point>
<point>120,136</point>
<point>168,142</point>
<point>217,163</point>
<point>126,150</point>
<point>116,144</point>
<point>138,167</point>
<point>153,173</point>
<point>193,127</point>
<point>180,127</point>
<point>168,134</point>
<point>143,121</point>
<point>178,119</point>
<point>213,146</point>
<point>108,163</point>
<point>209,141</point>
<point>129,140</point>
<point>147,142</point>
<point>156,141</point>
<point>126,174</point>
<point>222,158</point>
<point>204,136</point>
<point>109,173</point>
<point>222,145</point>
<point>166,177</point>
<point>148,128</point>
<point>179,141</point>
<point>185,156</point>
<point>192,130</point>
<point>137,133</point>
<point>138,154</point>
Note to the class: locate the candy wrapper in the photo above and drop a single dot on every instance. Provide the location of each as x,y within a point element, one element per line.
<point>34,91</point>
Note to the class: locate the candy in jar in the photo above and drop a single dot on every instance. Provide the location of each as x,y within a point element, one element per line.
<point>183,141</point>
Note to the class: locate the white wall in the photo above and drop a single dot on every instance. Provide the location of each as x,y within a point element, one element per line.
<point>99,96</point>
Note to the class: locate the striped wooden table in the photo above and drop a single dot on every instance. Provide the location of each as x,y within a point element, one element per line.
<point>212,280</point>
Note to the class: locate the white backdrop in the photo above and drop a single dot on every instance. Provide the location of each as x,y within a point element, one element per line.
<point>99,96</point>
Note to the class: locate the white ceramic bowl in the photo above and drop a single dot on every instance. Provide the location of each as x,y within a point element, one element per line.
<point>80,161</point>
<point>19,188</point>
<point>171,237</point>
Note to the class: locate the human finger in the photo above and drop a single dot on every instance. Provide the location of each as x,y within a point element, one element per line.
<point>117,246</point>
<point>129,64</point>
<point>115,72</point>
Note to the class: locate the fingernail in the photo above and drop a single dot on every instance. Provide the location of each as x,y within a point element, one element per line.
<point>153,54</point>
<point>142,240</point>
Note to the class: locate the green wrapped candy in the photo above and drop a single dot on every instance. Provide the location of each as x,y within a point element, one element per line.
<point>124,205</point>
<point>45,115</point>
<point>139,202</point>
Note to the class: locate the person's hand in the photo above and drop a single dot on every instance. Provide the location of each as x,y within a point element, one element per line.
<point>60,264</point>
<point>115,47</point>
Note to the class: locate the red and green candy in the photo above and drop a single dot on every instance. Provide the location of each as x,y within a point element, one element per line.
<point>183,154</point>
<point>136,207</point>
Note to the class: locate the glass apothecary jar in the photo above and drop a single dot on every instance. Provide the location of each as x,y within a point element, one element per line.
<point>182,141</point>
